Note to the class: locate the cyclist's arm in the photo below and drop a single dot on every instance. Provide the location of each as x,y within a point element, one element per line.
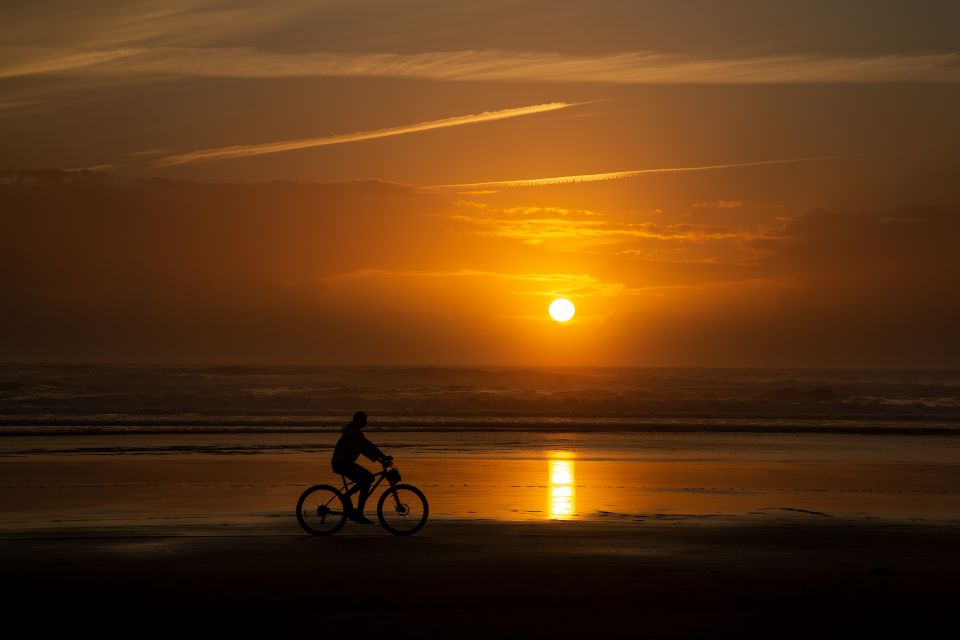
<point>371,450</point>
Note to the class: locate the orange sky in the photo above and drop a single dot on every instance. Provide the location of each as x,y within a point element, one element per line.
<point>744,183</point>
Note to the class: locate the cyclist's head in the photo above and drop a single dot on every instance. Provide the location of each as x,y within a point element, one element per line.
<point>360,419</point>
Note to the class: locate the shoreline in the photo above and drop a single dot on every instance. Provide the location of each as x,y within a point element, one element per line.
<point>284,525</point>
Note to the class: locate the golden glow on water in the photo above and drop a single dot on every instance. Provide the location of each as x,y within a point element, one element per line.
<point>562,501</point>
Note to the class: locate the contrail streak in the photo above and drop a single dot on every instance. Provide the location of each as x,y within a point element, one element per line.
<point>242,151</point>
<point>616,175</point>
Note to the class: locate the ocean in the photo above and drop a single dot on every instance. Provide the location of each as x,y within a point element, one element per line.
<point>89,399</point>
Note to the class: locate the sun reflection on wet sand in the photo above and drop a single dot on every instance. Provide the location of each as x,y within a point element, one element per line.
<point>562,500</point>
<point>94,489</point>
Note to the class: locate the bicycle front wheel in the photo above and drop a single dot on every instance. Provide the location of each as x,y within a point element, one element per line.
<point>322,510</point>
<point>402,510</point>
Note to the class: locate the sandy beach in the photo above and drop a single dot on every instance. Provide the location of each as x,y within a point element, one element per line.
<point>682,578</point>
<point>708,537</point>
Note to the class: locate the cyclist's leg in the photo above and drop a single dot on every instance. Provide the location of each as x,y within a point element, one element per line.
<point>349,493</point>
<point>362,479</point>
<point>345,471</point>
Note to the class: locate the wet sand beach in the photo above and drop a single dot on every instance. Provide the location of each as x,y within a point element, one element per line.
<point>228,479</point>
<point>529,535</point>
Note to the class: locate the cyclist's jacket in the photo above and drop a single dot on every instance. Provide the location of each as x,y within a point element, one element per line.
<point>351,444</point>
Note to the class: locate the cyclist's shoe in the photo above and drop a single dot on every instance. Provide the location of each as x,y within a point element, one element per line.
<point>357,516</point>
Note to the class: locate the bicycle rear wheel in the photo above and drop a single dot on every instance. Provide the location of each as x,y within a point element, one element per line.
<point>322,510</point>
<point>403,510</point>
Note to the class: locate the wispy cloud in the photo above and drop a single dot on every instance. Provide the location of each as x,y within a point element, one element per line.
<point>616,175</point>
<point>242,151</point>
<point>651,67</point>
<point>441,273</point>
<point>552,230</point>
<point>142,52</point>
<point>103,26</point>
<point>10,106</point>
<point>540,284</point>
<point>490,65</point>
<point>31,63</point>
<point>719,204</point>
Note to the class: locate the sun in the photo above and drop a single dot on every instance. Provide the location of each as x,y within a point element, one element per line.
<point>562,310</point>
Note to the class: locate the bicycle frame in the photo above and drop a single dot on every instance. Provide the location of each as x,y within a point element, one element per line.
<point>349,486</point>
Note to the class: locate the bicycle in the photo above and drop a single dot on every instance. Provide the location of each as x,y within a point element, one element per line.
<point>402,509</point>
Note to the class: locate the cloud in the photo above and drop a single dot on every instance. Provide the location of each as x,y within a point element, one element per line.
<point>719,204</point>
<point>243,151</point>
<point>617,175</point>
<point>560,282</point>
<point>491,293</point>
<point>535,211</point>
<point>153,270</point>
<point>878,289</point>
<point>115,24</point>
<point>61,62</point>
<point>652,68</point>
<point>870,251</point>
<point>488,66</point>
<point>557,229</point>
<point>374,272</point>
<point>14,107</point>
<point>620,247</point>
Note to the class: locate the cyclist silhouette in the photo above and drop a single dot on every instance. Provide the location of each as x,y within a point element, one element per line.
<point>351,444</point>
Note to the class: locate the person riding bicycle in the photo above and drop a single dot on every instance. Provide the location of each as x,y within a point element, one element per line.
<point>351,444</point>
